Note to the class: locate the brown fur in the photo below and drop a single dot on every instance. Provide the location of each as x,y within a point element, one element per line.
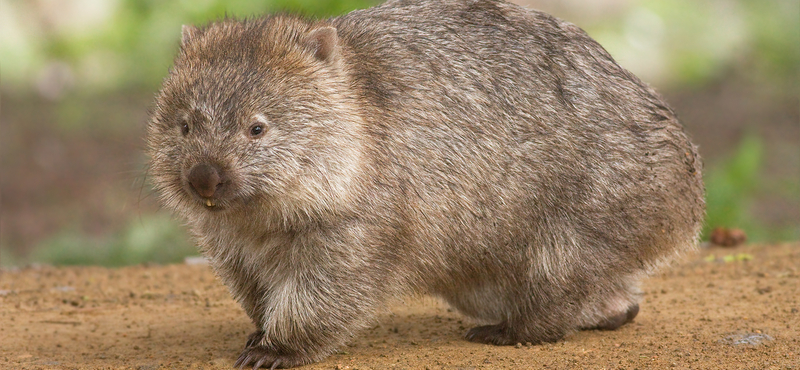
<point>474,150</point>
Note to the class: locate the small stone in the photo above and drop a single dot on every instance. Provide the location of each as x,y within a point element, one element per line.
<point>748,339</point>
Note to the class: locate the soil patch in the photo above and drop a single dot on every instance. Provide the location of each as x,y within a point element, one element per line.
<point>717,309</point>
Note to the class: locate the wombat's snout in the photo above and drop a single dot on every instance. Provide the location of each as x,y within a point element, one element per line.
<point>206,180</point>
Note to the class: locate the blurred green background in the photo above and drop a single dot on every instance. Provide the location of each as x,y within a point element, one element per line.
<point>78,78</point>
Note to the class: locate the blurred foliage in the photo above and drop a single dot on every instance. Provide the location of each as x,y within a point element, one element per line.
<point>98,45</point>
<point>152,238</point>
<point>775,34</point>
<point>689,43</point>
<point>71,51</point>
<point>731,187</point>
<point>111,44</point>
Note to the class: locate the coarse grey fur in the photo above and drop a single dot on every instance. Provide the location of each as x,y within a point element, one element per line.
<point>491,155</point>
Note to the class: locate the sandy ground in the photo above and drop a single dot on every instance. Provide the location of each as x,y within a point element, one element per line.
<point>717,309</point>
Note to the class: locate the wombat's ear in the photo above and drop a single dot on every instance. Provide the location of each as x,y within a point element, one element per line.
<point>189,33</point>
<point>324,42</point>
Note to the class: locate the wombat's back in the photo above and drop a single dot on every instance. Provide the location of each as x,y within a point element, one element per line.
<point>510,130</point>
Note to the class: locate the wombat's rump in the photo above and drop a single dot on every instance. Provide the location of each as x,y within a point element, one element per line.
<point>493,156</point>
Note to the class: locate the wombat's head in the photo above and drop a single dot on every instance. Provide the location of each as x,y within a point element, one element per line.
<point>255,114</point>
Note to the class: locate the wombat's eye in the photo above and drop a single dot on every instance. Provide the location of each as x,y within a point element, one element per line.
<point>257,130</point>
<point>184,128</point>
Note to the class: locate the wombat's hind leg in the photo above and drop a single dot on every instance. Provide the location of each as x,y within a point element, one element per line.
<point>491,334</point>
<point>615,321</point>
<point>502,334</point>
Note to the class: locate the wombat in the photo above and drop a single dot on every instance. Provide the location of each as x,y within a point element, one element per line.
<point>494,156</point>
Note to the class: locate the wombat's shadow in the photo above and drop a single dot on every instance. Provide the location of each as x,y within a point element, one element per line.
<point>421,321</point>
<point>405,327</point>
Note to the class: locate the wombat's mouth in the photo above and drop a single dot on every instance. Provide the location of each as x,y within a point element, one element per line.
<point>213,205</point>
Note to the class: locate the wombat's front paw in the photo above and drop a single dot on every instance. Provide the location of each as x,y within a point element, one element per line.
<point>259,356</point>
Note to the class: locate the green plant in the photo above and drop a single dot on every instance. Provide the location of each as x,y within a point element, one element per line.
<point>731,185</point>
<point>154,238</point>
<point>130,44</point>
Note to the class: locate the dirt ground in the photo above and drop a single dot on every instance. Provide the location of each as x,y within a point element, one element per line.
<point>717,309</point>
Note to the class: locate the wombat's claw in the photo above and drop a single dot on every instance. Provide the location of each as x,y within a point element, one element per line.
<point>258,356</point>
<point>254,338</point>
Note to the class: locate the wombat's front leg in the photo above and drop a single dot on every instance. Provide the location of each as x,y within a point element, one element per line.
<point>521,332</point>
<point>308,310</point>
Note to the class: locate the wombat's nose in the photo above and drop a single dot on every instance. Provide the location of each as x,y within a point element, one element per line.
<point>205,180</point>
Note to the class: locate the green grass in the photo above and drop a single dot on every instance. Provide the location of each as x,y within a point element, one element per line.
<point>733,185</point>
